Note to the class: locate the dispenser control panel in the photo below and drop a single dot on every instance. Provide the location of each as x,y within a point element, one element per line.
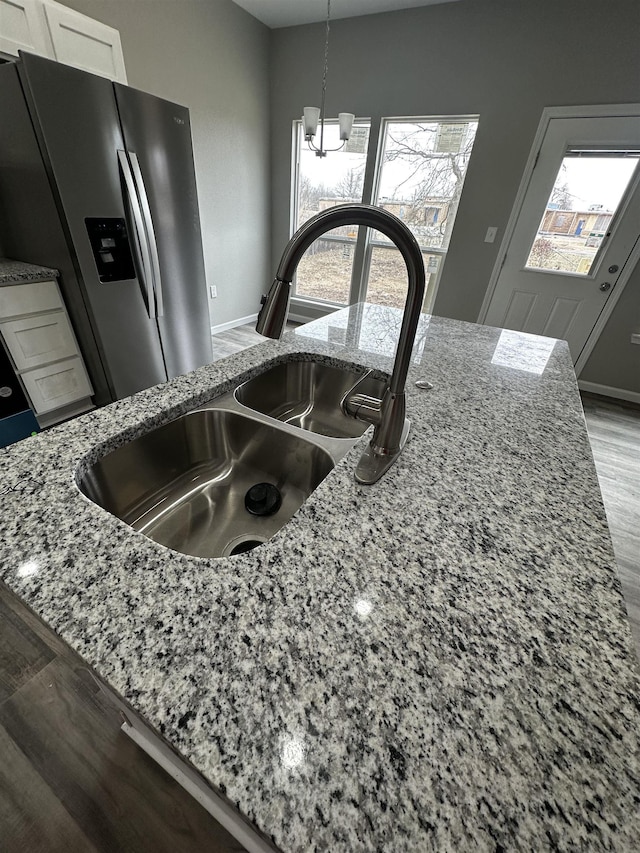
<point>111,249</point>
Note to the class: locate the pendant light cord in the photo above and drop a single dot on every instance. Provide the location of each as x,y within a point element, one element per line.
<point>324,76</point>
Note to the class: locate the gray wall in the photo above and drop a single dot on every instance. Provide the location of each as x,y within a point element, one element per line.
<point>501,59</point>
<point>615,361</point>
<point>212,57</point>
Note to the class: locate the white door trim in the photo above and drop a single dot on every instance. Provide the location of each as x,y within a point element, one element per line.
<point>548,113</point>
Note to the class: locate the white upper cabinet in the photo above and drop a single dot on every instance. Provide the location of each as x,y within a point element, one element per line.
<point>54,30</point>
<point>23,26</point>
<point>84,43</point>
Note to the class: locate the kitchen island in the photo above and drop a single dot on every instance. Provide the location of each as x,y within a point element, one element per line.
<point>440,661</point>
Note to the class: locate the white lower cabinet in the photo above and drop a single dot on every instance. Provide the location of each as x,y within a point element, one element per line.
<point>56,385</point>
<point>29,298</point>
<point>36,331</point>
<point>38,340</point>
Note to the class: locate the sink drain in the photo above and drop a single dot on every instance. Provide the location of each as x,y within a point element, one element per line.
<point>263,499</point>
<point>243,547</point>
<point>242,544</point>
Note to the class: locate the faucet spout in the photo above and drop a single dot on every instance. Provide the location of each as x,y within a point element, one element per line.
<point>389,418</point>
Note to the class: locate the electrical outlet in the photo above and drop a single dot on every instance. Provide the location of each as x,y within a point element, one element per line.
<point>490,236</point>
<point>213,291</point>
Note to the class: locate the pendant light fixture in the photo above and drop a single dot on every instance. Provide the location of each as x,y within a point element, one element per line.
<point>313,114</point>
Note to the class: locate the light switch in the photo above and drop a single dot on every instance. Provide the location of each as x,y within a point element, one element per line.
<point>213,291</point>
<point>635,338</point>
<point>490,236</point>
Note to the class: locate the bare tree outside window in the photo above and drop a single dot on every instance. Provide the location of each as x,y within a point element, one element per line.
<point>349,188</point>
<point>420,175</point>
<point>561,197</point>
<point>423,170</point>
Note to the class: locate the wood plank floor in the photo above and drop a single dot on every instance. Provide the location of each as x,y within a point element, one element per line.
<point>614,432</point>
<point>235,340</point>
<point>71,781</point>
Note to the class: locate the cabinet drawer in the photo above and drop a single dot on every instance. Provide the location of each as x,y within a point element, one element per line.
<point>39,339</point>
<point>29,298</point>
<point>57,385</point>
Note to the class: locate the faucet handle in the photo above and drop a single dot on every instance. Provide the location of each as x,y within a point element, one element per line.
<point>363,407</point>
<point>275,306</point>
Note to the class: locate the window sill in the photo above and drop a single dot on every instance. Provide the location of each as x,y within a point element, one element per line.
<point>304,309</point>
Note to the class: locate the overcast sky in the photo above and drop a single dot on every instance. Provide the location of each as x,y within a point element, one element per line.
<point>594,181</point>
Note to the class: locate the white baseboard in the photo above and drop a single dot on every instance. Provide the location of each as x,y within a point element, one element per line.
<point>298,318</point>
<point>241,321</point>
<point>608,391</point>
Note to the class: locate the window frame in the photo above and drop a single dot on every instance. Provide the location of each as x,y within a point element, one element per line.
<point>297,143</point>
<point>364,243</point>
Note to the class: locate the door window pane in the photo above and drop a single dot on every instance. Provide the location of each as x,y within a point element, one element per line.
<point>325,270</point>
<point>586,194</point>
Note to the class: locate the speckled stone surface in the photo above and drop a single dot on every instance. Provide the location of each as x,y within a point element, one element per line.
<point>18,272</point>
<point>440,661</point>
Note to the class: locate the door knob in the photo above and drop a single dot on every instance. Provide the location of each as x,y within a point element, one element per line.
<point>606,285</point>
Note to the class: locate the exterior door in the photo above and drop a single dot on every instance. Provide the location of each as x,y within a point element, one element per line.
<point>577,226</point>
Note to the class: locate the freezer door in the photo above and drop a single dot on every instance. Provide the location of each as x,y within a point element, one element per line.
<point>33,231</point>
<point>157,137</point>
<point>76,118</point>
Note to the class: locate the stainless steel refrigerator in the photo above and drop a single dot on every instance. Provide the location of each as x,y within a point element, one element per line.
<point>97,180</point>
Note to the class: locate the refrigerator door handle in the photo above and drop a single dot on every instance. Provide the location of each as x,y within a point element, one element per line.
<point>151,234</point>
<point>141,240</point>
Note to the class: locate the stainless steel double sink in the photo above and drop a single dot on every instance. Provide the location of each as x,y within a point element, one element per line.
<point>222,479</point>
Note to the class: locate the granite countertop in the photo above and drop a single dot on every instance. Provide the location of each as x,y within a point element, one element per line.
<point>18,272</point>
<point>440,661</point>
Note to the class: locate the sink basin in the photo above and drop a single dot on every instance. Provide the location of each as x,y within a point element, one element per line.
<point>307,394</point>
<point>184,484</point>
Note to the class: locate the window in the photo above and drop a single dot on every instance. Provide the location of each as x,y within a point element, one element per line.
<point>324,273</point>
<point>418,176</point>
<point>588,191</point>
<point>421,172</point>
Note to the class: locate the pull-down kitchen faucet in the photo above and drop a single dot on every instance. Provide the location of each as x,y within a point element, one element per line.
<point>388,415</point>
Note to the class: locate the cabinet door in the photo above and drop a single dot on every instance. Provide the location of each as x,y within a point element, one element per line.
<point>57,385</point>
<point>83,43</point>
<point>29,298</point>
<point>40,339</point>
<point>23,27</point>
